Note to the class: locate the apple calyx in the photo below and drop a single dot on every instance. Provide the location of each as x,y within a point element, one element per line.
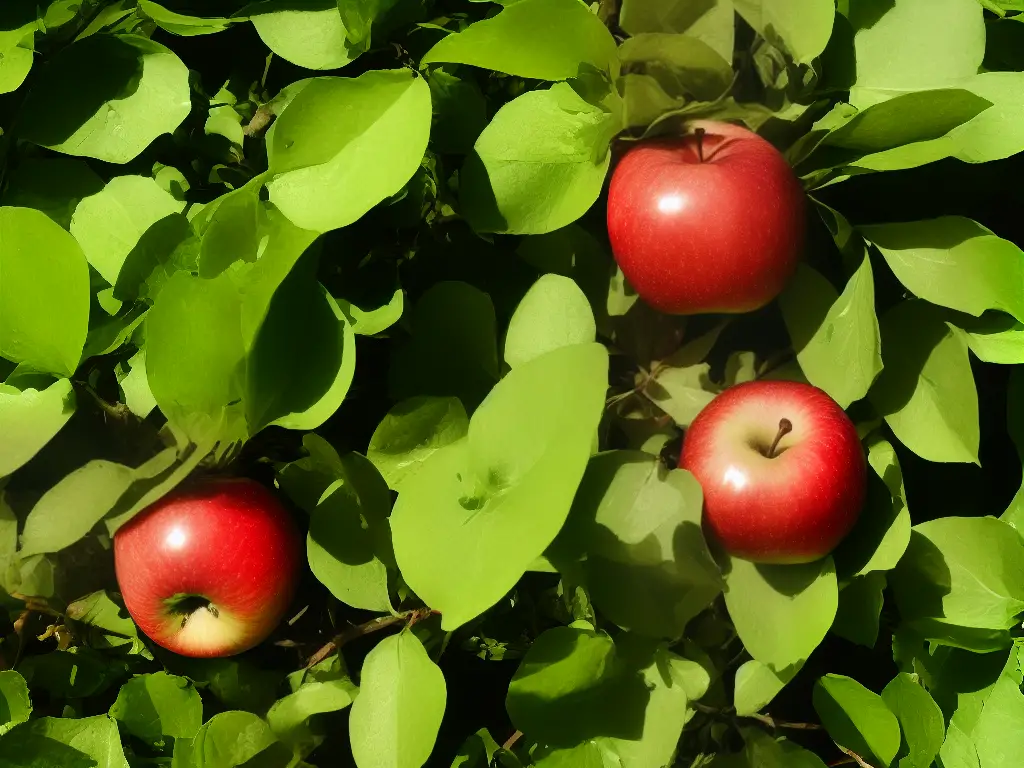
<point>785,427</point>
<point>186,606</point>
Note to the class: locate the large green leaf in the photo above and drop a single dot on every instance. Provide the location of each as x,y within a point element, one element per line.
<point>781,612</point>
<point>481,510</point>
<point>954,262</point>
<point>647,567</point>
<point>44,293</point>
<point>290,715</point>
<point>926,391</point>
<point>395,719</point>
<point>964,572</point>
<point>110,223</point>
<point>411,432</point>
<point>920,718</point>
<point>756,685</point>
<point>836,337</point>
<point>310,34</point>
<point>15,706</point>
<point>538,39</point>
<point>183,24</point>
<point>31,418</point>
<point>857,718</point>
<point>117,94</point>
<point>554,313</point>
<point>343,145</point>
<point>539,164</point>
<point>802,28</point>
<point>914,45</point>
<point>712,22</point>
<point>228,740</point>
<point>89,741</point>
<point>159,708</point>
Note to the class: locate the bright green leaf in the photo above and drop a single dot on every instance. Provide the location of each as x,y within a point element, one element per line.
<point>781,612</point>
<point>182,24</point>
<point>158,708</point>
<point>117,94</point>
<point>395,719</point>
<point>802,28</point>
<point>756,685</point>
<point>836,338</point>
<point>15,706</point>
<point>226,740</point>
<point>411,432</point>
<point>713,22</point>
<point>311,34</point>
<point>30,418</point>
<point>288,717</point>
<point>920,719</point>
<point>857,718</point>
<point>75,743</point>
<point>554,313</point>
<point>44,293</point>
<point>926,391</point>
<point>344,145</point>
<point>538,39</point>
<point>482,509</point>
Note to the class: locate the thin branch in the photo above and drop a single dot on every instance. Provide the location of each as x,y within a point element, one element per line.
<point>511,741</point>
<point>771,722</point>
<point>844,761</point>
<point>855,759</point>
<point>359,630</point>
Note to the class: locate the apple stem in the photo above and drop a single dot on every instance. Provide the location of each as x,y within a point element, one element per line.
<point>699,133</point>
<point>785,427</point>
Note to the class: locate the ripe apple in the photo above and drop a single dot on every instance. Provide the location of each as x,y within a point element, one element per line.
<point>209,571</point>
<point>782,469</point>
<point>712,221</point>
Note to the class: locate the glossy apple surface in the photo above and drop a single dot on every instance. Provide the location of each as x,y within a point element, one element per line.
<point>707,222</point>
<point>209,571</point>
<point>788,503</point>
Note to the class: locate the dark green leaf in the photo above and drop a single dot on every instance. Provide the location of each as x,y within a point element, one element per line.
<point>53,741</point>
<point>158,708</point>
<point>802,28</point>
<point>227,740</point>
<point>15,706</point>
<point>712,22</point>
<point>860,605</point>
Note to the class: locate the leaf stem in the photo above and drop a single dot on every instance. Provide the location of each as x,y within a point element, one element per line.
<point>366,628</point>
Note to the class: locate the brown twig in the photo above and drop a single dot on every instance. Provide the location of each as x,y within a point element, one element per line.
<point>511,741</point>
<point>771,722</point>
<point>854,758</point>
<point>260,121</point>
<point>359,630</point>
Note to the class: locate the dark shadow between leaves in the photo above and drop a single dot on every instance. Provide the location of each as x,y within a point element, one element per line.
<point>22,744</point>
<point>864,14</point>
<point>921,580</point>
<point>896,384</point>
<point>840,726</point>
<point>80,79</point>
<point>479,204</point>
<point>880,510</point>
<point>162,250</point>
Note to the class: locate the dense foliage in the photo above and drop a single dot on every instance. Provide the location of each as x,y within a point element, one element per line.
<point>356,249</point>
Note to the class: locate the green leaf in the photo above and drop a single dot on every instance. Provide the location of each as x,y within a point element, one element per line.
<point>460,111</point>
<point>800,28</point>
<point>117,94</point>
<point>477,751</point>
<point>236,683</point>
<point>882,533</point>
<point>857,718</point>
<point>756,685</point>
<point>289,716</point>
<point>349,542</point>
<point>31,418</point>
<point>226,740</point>
<point>920,718</point>
<point>178,344</point>
<point>836,338</point>
<point>182,24</point>
<point>537,39</point>
<point>135,386</point>
<point>16,58</point>
<point>311,34</point>
<point>683,65</point>
<point>158,708</point>
<point>411,432</point>
<point>926,391</point>
<point>860,607</point>
<point>53,185</point>
<point>453,350</point>
<point>953,262</point>
<point>993,338</point>
<point>52,741</point>
<point>781,612</point>
<point>44,295</point>
<point>70,509</point>
<point>110,223</point>
<point>395,719</point>
<point>344,145</point>
<point>713,22</point>
<point>647,567</point>
<point>373,321</point>
<point>996,736</point>
<point>74,674</point>
<point>681,384</point>
<point>15,706</point>
<point>965,572</point>
<point>482,509</point>
<point>914,45</point>
<point>539,164</point>
<point>231,228</point>
<point>1014,514</point>
<point>554,313</point>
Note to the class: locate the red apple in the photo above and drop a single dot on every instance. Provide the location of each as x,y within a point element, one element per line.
<point>782,469</point>
<point>713,221</point>
<point>209,571</point>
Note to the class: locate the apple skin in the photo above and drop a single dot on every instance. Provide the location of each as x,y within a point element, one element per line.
<point>226,541</point>
<point>722,234</point>
<point>795,507</point>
